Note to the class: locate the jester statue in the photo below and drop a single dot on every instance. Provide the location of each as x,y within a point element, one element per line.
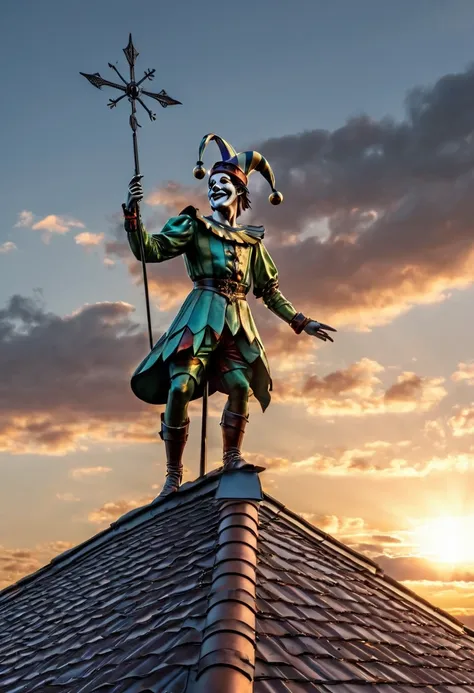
<point>213,339</point>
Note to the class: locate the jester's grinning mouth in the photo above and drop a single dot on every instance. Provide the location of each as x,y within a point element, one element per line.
<point>218,195</point>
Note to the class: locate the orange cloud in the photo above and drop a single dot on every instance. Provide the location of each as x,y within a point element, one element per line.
<point>175,197</point>
<point>84,472</point>
<point>50,224</point>
<point>56,224</point>
<point>88,239</point>
<point>365,461</point>
<point>357,391</point>
<point>112,510</point>
<point>15,563</point>
<point>462,422</point>
<point>464,373</point>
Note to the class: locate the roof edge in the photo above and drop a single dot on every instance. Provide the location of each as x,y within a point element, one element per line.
<point>372,566</point>
<point>322,536</point>
<point>186,494</point>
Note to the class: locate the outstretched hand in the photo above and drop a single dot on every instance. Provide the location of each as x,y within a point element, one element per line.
<point>319,330</point>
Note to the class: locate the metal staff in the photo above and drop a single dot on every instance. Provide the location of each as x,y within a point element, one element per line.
<point>133,91</point>
<point>203,454</point>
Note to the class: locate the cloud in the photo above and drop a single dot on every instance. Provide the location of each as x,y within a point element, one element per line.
<point>50,224</point>
<point>115,509</point>
<point>173,197</point>
<point>462,422</point>
<point>69,378</point>
<point>334,524</point>
<point>360,535</point>
<point>385,462</point>
<point>67,497</point>
<point>415,568</point>
<point>25,219</point>
<point>88,239</point>
<point>168,282</point>
<point>16,563</point>
<point>357,390</point>
<point>56,224</point>
<point>7,247</point>
<point>69,382</point>
<point>396,200</point>
<point>84,472</point>
<point>435,431</point>
<point>464,373</point>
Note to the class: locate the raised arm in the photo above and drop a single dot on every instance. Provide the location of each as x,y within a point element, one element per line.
<point>265,286</point>
<point>170,242</point>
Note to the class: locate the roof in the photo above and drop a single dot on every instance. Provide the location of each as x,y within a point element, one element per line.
<point>221,588</point>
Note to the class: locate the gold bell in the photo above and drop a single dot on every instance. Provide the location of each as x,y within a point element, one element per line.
<point>276,198</point>
<point>199,171</point>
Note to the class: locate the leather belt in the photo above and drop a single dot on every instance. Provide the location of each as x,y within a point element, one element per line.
<point>226,287</point>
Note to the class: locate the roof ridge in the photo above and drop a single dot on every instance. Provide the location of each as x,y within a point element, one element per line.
<point>228,645</point>
<point>373,567</point>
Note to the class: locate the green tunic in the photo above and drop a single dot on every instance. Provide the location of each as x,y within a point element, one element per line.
<point>218,251</point>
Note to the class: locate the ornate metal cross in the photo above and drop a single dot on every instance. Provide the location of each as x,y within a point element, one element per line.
<point>132,88</point>
<point>133,91</point>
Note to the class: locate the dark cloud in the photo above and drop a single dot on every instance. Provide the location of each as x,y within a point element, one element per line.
<point>414,568</point>
<point>386,539</point>
<point>68,377</point>
<point>15,563</point>
<point>88,354</point>
<point>369,164</point>
<point>396,200</point>
<point>406,389</point>
<point>358,390</point>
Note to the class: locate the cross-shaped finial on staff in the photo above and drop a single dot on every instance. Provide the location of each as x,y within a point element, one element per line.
<point>133,91</point>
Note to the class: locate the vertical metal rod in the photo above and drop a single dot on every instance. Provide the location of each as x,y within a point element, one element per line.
<point>142,252</point>
<point>203,460</point>
<point>133,121</point>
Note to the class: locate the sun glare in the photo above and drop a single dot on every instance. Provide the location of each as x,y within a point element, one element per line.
<point>446,539</point>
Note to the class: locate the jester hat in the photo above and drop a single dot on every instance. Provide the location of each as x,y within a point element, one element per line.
<point>238,165</point>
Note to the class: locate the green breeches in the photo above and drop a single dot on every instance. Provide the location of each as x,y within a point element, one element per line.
<point>187,370</point>
<point>235,382</point>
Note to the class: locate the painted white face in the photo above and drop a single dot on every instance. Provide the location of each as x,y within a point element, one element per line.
<point>222,191</point>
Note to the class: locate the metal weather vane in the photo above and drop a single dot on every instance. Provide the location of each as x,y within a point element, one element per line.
<point>134,92</point>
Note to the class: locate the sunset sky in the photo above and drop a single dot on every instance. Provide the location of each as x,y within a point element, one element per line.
<point>366,112</point>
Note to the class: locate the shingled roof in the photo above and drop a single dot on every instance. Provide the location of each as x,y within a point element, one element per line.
<point>221,589</point>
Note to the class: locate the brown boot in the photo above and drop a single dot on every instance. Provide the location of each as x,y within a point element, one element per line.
<point>174,438</point>
<point>233,429</point>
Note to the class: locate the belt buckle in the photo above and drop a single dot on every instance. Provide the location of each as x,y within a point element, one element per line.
<point>228,289</point>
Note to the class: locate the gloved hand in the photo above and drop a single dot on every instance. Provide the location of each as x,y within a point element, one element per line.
<point>135,193</point>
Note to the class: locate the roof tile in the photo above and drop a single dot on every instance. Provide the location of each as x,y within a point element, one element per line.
<point>126,611</point>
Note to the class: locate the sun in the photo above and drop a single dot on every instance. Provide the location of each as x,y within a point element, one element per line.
<point>446,539</point>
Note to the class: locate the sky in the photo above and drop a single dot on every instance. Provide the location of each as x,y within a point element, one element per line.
<point>366,113</point>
